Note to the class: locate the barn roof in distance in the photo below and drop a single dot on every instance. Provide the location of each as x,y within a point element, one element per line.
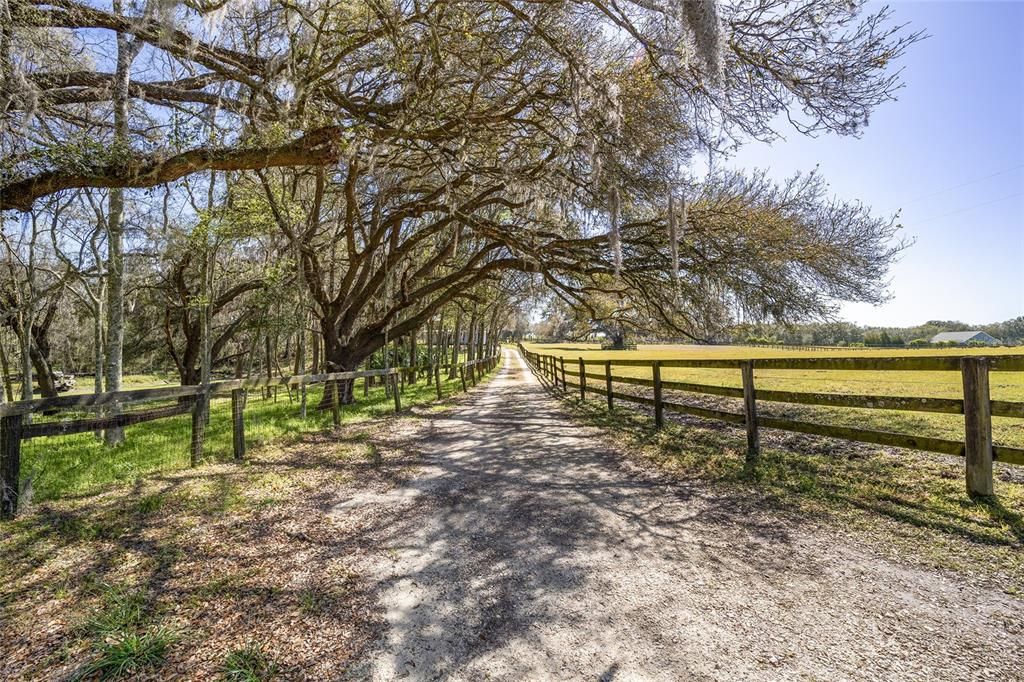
<point>961,337</point>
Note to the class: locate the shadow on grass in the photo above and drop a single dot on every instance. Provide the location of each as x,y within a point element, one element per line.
<point>170,530</point>
<point>811,475</point>
<point>220,553</point>
<point>61,467</point>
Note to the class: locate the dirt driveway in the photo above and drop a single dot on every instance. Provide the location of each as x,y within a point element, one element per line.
<point>526,549</point>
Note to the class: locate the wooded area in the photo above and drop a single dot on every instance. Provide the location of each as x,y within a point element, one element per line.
<point>237,189</point>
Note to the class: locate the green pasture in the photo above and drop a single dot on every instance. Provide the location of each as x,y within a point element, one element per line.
<point>81,464</point>
<point>1003,385</point>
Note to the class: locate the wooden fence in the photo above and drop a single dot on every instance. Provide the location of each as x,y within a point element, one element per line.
<point>16,424</point>
<point>976,406</point>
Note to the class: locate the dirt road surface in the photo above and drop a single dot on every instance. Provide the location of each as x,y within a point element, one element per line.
<point>527,549</point>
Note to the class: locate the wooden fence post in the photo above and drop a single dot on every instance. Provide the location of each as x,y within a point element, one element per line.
<point>302,400</point>
<point>437,379</point>
<point>238,421</point>
<point>583,381</point>
<point>659,407</point>
<point>462,377</point>
<point>10,464</point>
<point>977,425</point>
<point>561,364</point>
<point>608,381</point>
<point>198,427</point>
<point>398,396</point>
<point>750,412</point>
<point>335,403</point>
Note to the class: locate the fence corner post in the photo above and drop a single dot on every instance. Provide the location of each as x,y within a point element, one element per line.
<point>608,381</point>
<point>398,394</point>
<point>659,407</point>
<point>561,365</point>
<point>10,464</point>
<point>583,381</point>
<point>977,426</point>
<point>238,421</point>
<point>198,426</point>
<point>750,412</point>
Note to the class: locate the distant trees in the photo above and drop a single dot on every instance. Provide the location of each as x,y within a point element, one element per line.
<point>843,333</point>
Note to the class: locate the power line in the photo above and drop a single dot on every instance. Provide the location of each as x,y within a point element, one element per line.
<point>964,184</point>
<point>972,207</point>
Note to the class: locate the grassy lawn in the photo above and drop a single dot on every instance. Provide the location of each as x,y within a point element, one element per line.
<point>82,465</point>
<point>228,571</point>
<point>232,570</point>
<point>1003,385</point>
<point>909,505</point>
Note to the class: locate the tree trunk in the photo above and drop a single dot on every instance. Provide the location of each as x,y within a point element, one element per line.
<point>5,367</point>
<point>412,358</point>
<point>316,354</point>
<point>25,340</point>
<point>453,371</point>
<point>97,339</point>
<point>471,339</point>
<point>115,232</point>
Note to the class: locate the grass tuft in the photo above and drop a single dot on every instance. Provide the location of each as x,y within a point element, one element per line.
<point>123,609</point>
<point>128,654</point>
<point>249,664</point>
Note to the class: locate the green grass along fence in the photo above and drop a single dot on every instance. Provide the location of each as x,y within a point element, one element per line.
<point>978,409</point>
<point>17,424</point>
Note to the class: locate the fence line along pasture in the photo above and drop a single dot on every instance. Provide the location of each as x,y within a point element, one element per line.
<point>114,410</point>
<point>978,409</point>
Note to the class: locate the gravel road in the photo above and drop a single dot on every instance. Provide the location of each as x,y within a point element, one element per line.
<point>524,548</point>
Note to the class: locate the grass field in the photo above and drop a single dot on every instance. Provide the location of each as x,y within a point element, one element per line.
<point>912,503</point>
<point>1003,385</point>
<point>81,464</point>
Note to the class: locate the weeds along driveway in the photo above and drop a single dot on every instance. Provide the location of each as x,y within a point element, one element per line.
<point>526,549</point>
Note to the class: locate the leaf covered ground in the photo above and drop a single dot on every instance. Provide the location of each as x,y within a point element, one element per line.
<point>226,571</point>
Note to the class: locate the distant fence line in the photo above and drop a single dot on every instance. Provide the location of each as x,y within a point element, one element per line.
<point>16,425</point>
<point>976,405</point>
<point>854,346</point>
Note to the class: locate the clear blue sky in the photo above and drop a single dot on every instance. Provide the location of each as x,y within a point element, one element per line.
<point>959,119</point>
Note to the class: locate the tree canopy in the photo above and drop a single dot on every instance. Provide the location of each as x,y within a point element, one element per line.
<point>377,164</point>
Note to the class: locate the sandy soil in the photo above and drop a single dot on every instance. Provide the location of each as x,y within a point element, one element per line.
<point>526,549</point>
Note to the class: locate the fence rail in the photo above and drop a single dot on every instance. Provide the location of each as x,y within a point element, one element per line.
<point>978,409</point>
<point>16,425</point>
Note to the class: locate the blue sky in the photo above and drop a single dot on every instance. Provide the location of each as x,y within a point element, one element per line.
<point>959,120</point>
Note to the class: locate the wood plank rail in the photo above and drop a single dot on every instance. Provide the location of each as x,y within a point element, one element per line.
<point>15,426</point>
<point>977,447</point>
<point>1000,408</point>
